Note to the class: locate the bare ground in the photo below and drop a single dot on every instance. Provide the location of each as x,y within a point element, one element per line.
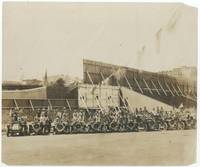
<point>143,148</point>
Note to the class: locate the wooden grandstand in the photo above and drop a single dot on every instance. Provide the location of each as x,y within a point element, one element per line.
<point>164,88</point>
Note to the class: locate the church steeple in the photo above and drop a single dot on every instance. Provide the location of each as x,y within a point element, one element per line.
<point>45,78</point>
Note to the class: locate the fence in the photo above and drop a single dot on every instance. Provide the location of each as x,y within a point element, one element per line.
<point>39,103</point>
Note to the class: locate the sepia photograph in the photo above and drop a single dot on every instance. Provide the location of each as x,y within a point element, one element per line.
<point>99,83</point>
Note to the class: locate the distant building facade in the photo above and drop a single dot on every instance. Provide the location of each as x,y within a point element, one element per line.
<point>32,82</point>
<point>183,72</point>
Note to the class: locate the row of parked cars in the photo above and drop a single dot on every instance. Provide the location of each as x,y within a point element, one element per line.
<point>98,121</point>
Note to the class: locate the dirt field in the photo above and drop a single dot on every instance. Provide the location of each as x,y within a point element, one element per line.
<point>143,148</point>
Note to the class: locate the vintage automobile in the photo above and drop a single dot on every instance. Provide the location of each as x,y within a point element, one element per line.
<point>17,128</point>
<point>104,127</point>
<point>61,124</point>
<point>78,127</point>
<point>132,125</point>
<point>141,123</point>
<point>58,128</point>
<point>160,123</point>
<point>38,127</point>
<point>61,128</point>
<point>114,126</point>
<point>174,123</point>
<point>150,123</point>
<point>189,122</point>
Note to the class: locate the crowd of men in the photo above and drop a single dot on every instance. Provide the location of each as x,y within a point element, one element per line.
<point>109,119</point>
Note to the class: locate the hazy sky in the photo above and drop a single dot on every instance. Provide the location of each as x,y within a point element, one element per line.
<point>57,36</point>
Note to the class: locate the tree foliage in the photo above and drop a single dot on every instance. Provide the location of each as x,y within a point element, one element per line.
<point>59,83</point>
